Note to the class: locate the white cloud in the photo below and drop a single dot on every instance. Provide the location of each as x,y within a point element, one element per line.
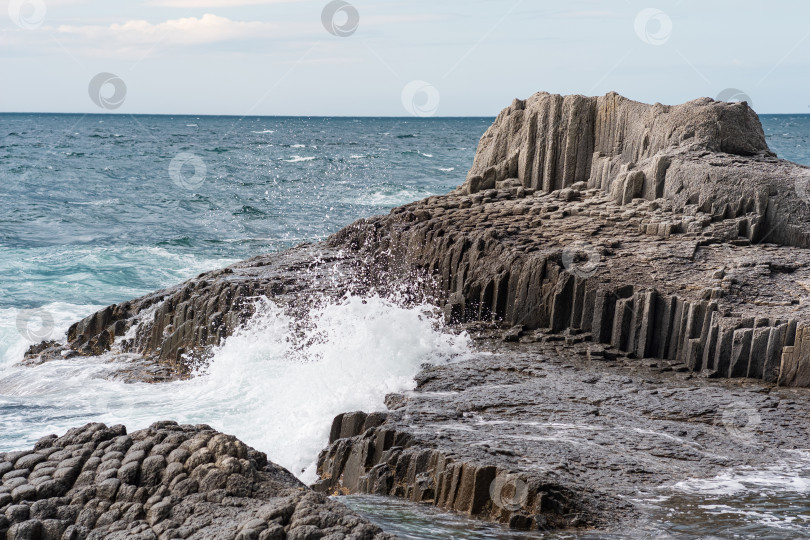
<point>187,31</point>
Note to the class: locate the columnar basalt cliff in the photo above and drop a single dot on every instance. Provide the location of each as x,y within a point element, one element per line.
<point>689,154</point>
<point>668,232</point>
<point>665,232</point>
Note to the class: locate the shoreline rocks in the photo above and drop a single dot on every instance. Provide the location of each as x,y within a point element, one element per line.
<point>625,254</point>
<point>667,232</point>
<point>385,461</point>
<point>542,435</point>
<point>167,481</point>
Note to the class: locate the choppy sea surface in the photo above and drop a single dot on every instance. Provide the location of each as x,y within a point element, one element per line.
<point>99,209</point>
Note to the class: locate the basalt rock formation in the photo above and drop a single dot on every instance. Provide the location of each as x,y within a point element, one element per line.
<point>689,154</point>
<point>546,433</point>
<point>383,460</point>
<point>669,237</point>
<point>167,481</point>
<point>665,232</point>
<point>171,330</point>
<point>668,232</point>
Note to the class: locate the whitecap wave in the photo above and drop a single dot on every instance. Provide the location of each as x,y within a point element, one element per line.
<point>102,202</point>
<point>395,197</point>
<point>49,322</point>
<point>276,392</point>
<point>298,159</point>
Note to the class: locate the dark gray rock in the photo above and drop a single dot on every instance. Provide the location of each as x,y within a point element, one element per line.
<point>541,436</point>
<point>233,493</point>
<point>639,237</point>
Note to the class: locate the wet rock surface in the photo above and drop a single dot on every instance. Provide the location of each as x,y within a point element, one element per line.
<point>167,481</point>
<point>542,435</point>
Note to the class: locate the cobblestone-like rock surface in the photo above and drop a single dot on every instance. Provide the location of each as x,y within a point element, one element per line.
<point>164,482</point>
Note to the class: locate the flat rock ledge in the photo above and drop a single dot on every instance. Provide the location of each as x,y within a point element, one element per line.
<point>165,482</point>
<point>543,434</point>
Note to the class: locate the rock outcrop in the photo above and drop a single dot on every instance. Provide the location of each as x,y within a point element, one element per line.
<point>173,329</point>
<point>546,433</point>
<point>382,460</point>
<point>705,153</point>
<point>641,277</point>
<point>167,481</point>
<point>667,232</point>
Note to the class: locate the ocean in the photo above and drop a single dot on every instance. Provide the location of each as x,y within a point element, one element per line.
<point>98,209</point>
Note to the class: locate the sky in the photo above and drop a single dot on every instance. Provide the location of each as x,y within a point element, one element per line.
<point>395,58</point>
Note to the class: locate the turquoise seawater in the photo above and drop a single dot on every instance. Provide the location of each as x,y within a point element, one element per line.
<point>99,209</point>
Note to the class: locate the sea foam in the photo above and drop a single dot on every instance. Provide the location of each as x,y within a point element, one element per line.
<point>275,384</point>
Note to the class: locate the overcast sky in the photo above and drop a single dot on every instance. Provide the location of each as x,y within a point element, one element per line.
<point>392,57</point>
